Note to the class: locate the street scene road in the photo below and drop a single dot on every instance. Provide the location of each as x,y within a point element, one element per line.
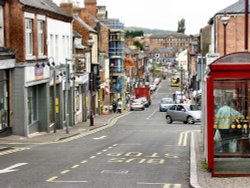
<point>139,150</point>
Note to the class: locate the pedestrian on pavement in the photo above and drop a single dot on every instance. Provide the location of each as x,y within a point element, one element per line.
<point>119,106</point>
<point>114,104</point>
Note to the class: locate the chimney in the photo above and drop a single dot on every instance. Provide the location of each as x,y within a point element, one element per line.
<point>90,5</point>
<point>67,7</point>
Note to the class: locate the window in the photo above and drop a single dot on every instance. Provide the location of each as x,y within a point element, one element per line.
<point>51,45</point>
<point>32,104</point>
<point>40,37</point>
<point>29,36</point>
<point>1,27</point>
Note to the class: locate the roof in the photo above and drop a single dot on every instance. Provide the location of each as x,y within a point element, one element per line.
<point>85,25</point>
<point>163,50</point>
<point>238,7</point>
<point>175,34</point>
<point>97,20</point>
<point>47,5</point>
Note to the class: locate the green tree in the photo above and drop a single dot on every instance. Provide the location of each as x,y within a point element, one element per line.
<point>181,26</point>
<point>132,34</point>
<point>138,45</point>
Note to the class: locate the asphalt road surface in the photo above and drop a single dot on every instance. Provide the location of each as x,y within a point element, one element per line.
<point>138,150</point>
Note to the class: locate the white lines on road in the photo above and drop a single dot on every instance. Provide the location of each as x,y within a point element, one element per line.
<point>99,138</point>
<point>54,179</point>
<point>152,114</point>
<point>165,185</point>
<point>12,168</point>
<point>183,138</point>
<point>12,150</point>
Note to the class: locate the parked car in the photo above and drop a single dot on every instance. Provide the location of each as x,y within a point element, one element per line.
<point>144,101</point>
<point>152,87</point>
<point>136,104</point>
<point>157,80</point>
<point>187,113</point>
<point>165,103</point>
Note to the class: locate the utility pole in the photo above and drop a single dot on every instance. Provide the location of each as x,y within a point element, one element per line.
<point>91,82</point>
<point>246,25</point>
<point>67,87</point>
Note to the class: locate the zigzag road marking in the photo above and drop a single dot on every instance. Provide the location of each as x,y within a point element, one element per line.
<point>12,150</point>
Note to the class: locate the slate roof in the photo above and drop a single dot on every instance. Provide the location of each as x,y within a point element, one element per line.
<point>236,8</point>
<point>163,50</point>
<point>86,26</point>
<point>47,5</point>
<point>175,34</point>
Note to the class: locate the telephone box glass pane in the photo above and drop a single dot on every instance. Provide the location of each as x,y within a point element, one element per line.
<point>231,126</point>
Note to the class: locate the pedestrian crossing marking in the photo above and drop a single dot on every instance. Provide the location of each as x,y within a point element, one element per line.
<point>12,150</point>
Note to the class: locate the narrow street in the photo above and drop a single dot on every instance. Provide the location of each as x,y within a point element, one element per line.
<point>140,150</point>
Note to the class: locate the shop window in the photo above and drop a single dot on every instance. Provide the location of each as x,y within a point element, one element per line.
<point>32,104</point>
<point>3,101</point>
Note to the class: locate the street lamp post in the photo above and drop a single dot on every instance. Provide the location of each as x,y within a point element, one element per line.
<point>67,88</point>
<point>181,82</point>
<point>51,64</point>
<point>225,20</point>
<point>91,82</point>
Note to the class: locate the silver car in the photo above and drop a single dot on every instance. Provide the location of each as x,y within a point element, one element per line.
<point>165,103</point>
<point>137,104</point>
<point>187,113</point>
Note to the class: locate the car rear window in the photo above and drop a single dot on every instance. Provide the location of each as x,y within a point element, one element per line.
<point>194,107</point>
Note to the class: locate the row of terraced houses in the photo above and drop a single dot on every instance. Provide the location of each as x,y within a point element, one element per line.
<point>49,56</point>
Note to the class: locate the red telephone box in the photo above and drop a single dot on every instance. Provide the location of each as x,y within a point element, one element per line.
<point>228,115</point>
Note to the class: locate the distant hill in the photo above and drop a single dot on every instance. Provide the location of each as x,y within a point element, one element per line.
<point>147,31</point>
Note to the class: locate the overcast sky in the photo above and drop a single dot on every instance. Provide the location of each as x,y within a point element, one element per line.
<point>164,14</point>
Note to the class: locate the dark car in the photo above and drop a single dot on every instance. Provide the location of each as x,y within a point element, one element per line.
<point>165,103</point>
<point>187,113</point>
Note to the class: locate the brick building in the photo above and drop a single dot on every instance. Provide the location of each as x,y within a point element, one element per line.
<point>235,29</point>
<point>27,33</point>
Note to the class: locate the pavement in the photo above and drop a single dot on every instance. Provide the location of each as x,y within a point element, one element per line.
<point>199,176</point>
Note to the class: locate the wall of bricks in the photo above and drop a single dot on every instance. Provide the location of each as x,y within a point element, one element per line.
<point>235,34</point>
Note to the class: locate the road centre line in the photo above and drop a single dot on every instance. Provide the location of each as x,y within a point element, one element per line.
<point>75,166</point>
<point>65,172</point>
<point>152,114</point>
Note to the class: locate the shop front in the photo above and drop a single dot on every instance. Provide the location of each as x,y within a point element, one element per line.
<point>4,103</point>
<point>7,64</point>
<point>30,100</point>
<point>228,115</point>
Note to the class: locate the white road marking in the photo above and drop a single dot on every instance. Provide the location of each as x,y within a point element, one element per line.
<point>165,185</point>
<point>152,114</point>
<point>11,168</point>
<point>99,138</point>
<point>183,138</point>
